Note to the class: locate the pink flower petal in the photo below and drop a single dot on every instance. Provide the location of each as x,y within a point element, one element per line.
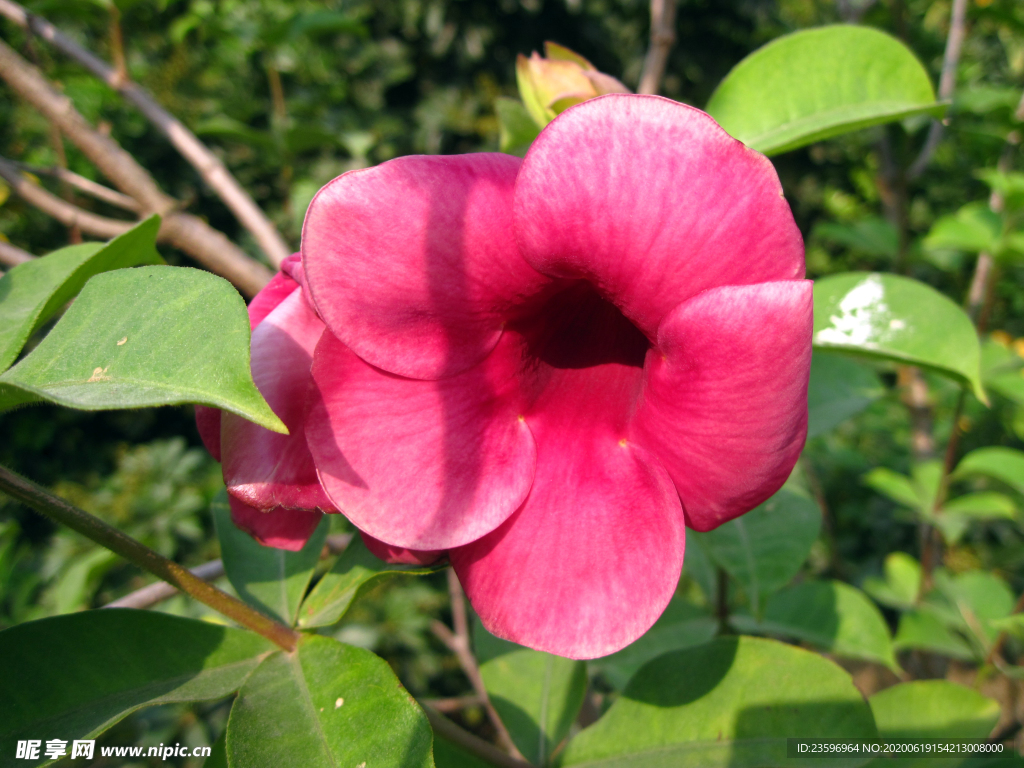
<point>279,528</point>
<point>400,555</point>
<point>592,558</point>
<point>725,401</point>
<point>208,424</point>
<point>273,293</point>
<point>651,202</point>
<point>419,464</point>
<point>262,468</point>
<point>413,263</point>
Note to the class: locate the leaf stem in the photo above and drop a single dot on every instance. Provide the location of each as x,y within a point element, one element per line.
<point>474,744</point>
<point>54,507</point>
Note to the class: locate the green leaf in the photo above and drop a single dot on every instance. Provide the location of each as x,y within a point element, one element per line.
<point>933,709</point>
<point>839,388</point>
<point>449,755</point>
<point>682,625</point>
<point>328,704</point>
<point>921,629</point>
<point>271,580</point>
<point>74,676</point>
<point>355,571</point>
<point>218,757</point>
<point>144,337</point>
<point>972,229</point>
<point>896,318</point>
<point>730,702</point>
<point>971,601</point>
<point>517,129</point>
<point>818,83</point>
<point>765,548</point>
<point>33,292</point>
<point>1003,464</point>
<point>537,695</point>
<point>901,584</point>
<point>893,485</point>
<point>831,615</point>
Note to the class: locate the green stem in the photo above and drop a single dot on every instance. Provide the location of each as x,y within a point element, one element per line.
<point>54,507</point>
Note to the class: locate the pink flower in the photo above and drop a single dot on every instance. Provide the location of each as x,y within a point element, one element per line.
<point>543,367</point>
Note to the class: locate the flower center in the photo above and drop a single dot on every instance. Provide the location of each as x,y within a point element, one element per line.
<point>582,359</point>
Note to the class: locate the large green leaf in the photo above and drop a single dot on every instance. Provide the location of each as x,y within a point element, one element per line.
<point>933,709</point>
<point>144,337</point>
<point>765,548</point>
<point>72,677</point>
<point>328,704</point>
<point>839,388</point>
<point>831,615</point>
<point>682,625</point>
<point>896,318</point>
<point>33,292</point>
<point>271,580</point>
<point>730,702</point>
<point>1003,464</point>
<point>817,83</point>
<point>355,571</point>
<point>537,695</point>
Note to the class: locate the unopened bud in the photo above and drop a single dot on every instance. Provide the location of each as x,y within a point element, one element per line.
<point>560,79</point>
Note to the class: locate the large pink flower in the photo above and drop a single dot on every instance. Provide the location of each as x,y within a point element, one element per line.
<point>547,367</point>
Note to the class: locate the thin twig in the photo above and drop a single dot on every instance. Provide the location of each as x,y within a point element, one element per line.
<point>210,168</point>
<point>12,255</point>
<point>56,508</point>
<point>150,595</point>
<point>82,184</point>
<point>473,744</point>
<point>947,85</point>
<point>189,233</point>
<point>663,37</point>
<point>458,643</point>
<point>453,703</point>
<point>67,214</point>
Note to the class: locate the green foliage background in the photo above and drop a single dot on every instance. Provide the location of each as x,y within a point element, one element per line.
<point>362,82</point>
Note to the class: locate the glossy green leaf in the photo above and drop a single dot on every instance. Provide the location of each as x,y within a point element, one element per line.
<point>355,571</point>
<point>537,695</point>
<point>328,704</point>
<point>896,318</point>
<point>74,676</point>
<point>271,580</point>
<point>682,625</point>
<point>921,629</point>
<point>830,615</point>
<point>817,83</point>
<point>933,709</point>
<point>730,702</point>
<point>517,129</point>
<point>765,548</point>
<point>1003,464</point>
<point>144,337</point>
<point>902,581</point>
<point>972,229</point>
<point>839,388</point>
<point>33,292</point>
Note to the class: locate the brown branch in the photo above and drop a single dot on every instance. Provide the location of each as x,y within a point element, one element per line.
<point>947,85</point>
<point>67,214</point>
<point>453,703</point>
<point>458,643</point>
<point>82,184</point>
<point>663,37</point>
<point>12,255</point>
<point>189,233</point>
<point>473,744</point>
<point>209,166</point>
